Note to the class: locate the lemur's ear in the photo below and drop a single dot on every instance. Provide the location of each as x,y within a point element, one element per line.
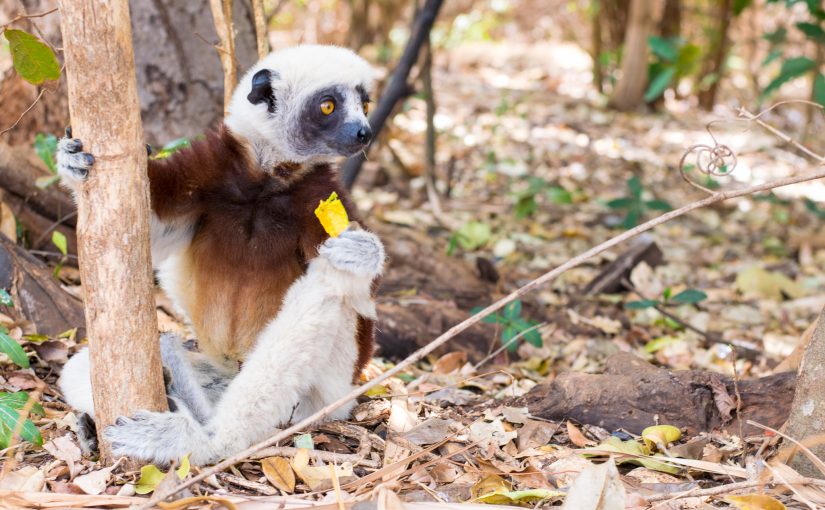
<point>262,89</point>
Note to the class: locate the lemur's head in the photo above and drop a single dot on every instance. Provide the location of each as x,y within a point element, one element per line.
<point>304,103</point>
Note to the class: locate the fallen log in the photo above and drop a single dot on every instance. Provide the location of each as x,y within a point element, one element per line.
<point>36,293</point>
<point>632,394</point>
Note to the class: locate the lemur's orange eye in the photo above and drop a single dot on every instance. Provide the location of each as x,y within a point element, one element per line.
<point>327,107</point>
<point>366,106</point>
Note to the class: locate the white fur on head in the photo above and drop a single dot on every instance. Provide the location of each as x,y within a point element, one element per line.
<point>298,72</point>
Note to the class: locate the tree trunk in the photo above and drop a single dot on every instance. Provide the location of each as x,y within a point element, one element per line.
<point>113,212</point>
<point>671,22</point>
<point>596,45</point>
<point>630,90</point>
<point>808,409</point>
<point>715,62</point>
<point>180,80</point>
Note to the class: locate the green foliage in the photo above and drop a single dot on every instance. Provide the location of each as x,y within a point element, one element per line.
<point>10,407</point>
<point>675,58</point>
<point>172,147</point>
<point>45,147</point>
<point>799,65</point>
<point>526,203</point>
<point>61,243</point>
<point>470,236</point>
<point>513,325</point>
<point>33,60</point>
<point>5,298</point>
<point>814,209</point>
<point>635,205</point>
<point>12,349</point>
<point>686,297</point>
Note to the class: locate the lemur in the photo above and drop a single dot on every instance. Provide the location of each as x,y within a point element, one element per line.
<point>237,247</point>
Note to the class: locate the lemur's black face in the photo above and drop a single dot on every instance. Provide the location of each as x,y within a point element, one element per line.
<point>335,117</point>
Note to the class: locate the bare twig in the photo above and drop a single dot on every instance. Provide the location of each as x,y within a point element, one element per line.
<point>726,489</point>
<point>27,110</point>
<point>23,16</point>
<point>222,15</point>
<point>451,333</point>
<point>260,28</point>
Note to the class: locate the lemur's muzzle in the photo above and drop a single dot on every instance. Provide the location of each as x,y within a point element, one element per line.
<point>356,134</point>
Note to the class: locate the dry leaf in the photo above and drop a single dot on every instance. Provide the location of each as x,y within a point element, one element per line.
<point>279,473</point>
<point>95,482</point>
<point>25,479</point>
<point>319,478</point>
<point>577,437</point>
<point>596,488</point>
<point>754,502</point>
<point>64,448</point>
<point>450,362</point>
<point>8,224</point>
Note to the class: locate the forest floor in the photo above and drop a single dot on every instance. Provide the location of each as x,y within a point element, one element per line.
<point>533,164</point>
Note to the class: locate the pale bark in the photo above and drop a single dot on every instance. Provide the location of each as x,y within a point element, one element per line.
<point>630,90</point>
<point>807,421</point>
<point>113,211</point>
<point>222,14</point>
<point>261,33</point>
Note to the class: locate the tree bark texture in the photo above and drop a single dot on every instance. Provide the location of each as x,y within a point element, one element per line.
<point>808,409</point>
<point>180,80</point>
<point>113,211</point>
<point>630,89</point>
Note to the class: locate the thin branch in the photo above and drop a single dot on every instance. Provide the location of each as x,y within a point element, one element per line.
<point>222,15</point>
<point>475,319</point>
<point>23,16</point>
<point>261,38</point>
<point>726,489</point>
<point>27,110</point>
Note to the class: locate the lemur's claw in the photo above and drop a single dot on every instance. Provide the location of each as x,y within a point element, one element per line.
<point>73,165</point>
<point>356,251</point>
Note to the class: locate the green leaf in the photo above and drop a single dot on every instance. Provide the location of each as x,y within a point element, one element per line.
<point>791,68</point>
<point>634,185</point>
<point>559,195</point>
<point>778,36</point>
<point>18,399</point>
<point>621,203</point>
<point>59,240</point>
<point>172,147</point>
<point>304,441</point>
<point>33,60</point>
<point>533,337</point>
<point>740,5</point>
<point>665,49</point>
<point>641,304</point>
<point>819,89</point>
<point>508,334</point>
<point>473,235</point>
<point>9,418</point>
<point>812,31</point>
<point>45,146</point>
<point>45,181</point>
<point>631,447</point>
<point>772,55</point>
<point>658,205</point>
<point>493,318</point>
<point>5,298</point>
<point>659,84</point>
<point>14,351</point>
<point>512,310</point>
<point>689,57</point>
<point>150,477</point>
<point>525,206</point>
<point>689,297</point>
<point>632,218</point>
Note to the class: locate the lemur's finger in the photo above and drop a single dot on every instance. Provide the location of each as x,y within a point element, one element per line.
<point>68,131</point>
<point>148,150</point>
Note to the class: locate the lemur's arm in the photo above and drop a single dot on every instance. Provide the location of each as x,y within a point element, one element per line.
<point>282,379</point>
<point>176,185</point>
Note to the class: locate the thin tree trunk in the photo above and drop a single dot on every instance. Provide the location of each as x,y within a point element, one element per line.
<point>261,34</point>
<point>808,409</point>
<point>113,211</point>
<point>630,90</point>
<point>596,42</point>
<point>671,22</point>
<point>222,15</point>
<point>715,63</point>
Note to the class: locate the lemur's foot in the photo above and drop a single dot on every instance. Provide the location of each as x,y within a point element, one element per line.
<point>73,164</point>
<point>356,251</point>
<point>155,437</point>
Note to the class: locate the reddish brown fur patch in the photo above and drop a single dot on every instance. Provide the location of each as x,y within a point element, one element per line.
<point>255,233</point>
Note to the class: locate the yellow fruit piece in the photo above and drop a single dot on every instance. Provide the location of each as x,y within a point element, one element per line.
<point>661,435</point>
<point>332,215</point>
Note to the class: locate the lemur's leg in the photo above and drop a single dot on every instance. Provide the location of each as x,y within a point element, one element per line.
<point>73,167</point>
<point>294,356</point>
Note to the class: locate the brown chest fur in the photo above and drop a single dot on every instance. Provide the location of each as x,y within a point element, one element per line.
<point>255,233</point>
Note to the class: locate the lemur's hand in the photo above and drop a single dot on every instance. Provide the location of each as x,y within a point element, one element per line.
<point>73,164</point>
<point>355,251</point>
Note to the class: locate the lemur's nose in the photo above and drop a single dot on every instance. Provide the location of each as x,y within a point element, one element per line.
<point>364,135</point>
